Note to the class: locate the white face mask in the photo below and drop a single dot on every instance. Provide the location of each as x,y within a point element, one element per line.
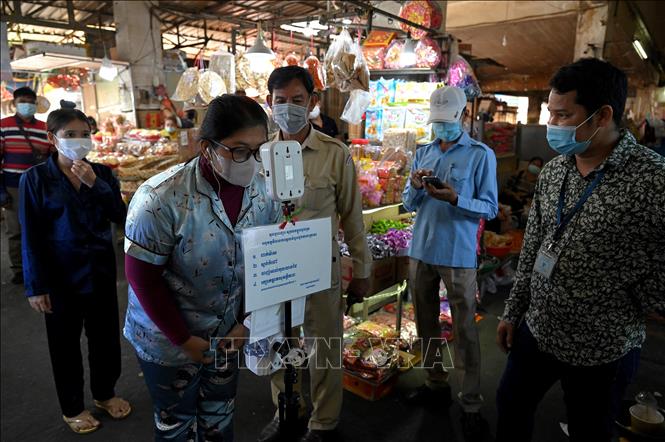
<point>240,174</point>
<point>315,113</point>
<point>74,148</point>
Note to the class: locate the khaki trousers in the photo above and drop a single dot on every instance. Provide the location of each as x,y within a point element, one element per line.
<point>461,286</point>
<point>13,229</point>
<point>323,319</point>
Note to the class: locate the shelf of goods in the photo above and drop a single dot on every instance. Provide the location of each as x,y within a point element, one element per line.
<point>135,157</point>
<point>405,72</point>
<point>399,104</point>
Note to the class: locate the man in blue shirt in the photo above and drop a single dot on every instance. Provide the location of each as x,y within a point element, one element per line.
<point>453,186</point>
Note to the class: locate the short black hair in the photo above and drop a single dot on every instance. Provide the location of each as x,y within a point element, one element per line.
<point>62,117</point>
<point>597,83</point>
<point>92,121</point>
<point>24,92</point>
<point>228,114</point>
<point>280,77</point>
<point>191,114</point>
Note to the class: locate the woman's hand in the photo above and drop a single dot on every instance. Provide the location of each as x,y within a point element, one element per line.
<point>235,339</point>
<point>84,172</point>
<point>41,303</point>
<point>195,347</point>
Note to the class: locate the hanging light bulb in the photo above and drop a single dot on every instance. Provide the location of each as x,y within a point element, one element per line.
<point>108,71</point>
<point>408,56</point>
<point>259,55</point>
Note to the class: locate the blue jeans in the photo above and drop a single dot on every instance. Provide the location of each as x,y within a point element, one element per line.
<point>592,394</point>
<point>193,402</point>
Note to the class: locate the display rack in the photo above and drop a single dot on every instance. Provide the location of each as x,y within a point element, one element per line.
<point>407,71</point>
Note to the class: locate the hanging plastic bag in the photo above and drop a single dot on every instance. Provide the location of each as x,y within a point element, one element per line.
<point>187,85</point>
<point>360,76</point>
<point>333,71</point>
<point>351,70</point>
<point>356,106</point>
<point>210,86</point>
<point>224,65</point>
<point>460,74</point>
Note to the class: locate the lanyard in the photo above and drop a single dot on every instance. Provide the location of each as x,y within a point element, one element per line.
<point>562,220</point>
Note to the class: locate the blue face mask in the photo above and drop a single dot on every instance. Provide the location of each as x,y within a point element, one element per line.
<point>26,110</point>
<point>562,138</point>
<point>447,132</point>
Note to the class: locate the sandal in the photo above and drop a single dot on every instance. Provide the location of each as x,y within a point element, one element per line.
<point>113,406</point>
<point>83,423</point>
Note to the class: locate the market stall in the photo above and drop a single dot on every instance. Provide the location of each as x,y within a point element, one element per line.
<point>134,155</point>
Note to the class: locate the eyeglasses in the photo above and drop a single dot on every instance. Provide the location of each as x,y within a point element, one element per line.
<point>240,154</point>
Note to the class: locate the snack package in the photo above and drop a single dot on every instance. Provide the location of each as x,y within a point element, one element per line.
<point>374,124</point>
<point>356,106</point>
<point>460,74</point>
<point>428,53</point>
<point>315,69</point>
<point>416,118</point>
<point>374,56</point>
<point>437,15</point>
<point>329,59</point>
<point>424,13</point>
<point>382,92</point>
<point>187,87</point>
<point>211,85</point>
<point>247,79</point>
<point>393,53</point>
<point>377,330</point>
<point>393,118</point>
<point>224,65</point>
<point>378,38</point>
<point>345,65</point>
<point>403,91</point>
<point>370,189</point>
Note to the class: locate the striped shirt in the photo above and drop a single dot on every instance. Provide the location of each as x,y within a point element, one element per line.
<point>15,150</point>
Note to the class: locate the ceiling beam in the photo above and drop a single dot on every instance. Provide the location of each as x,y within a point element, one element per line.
<point>37,10</point>
<point>48,24</point>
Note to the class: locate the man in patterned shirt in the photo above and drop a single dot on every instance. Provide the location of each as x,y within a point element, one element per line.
<point>592,265</point>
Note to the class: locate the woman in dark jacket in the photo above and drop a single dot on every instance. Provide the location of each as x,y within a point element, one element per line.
<point>67,205</point>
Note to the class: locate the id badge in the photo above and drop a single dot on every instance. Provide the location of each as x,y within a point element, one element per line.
<point>545,263</point>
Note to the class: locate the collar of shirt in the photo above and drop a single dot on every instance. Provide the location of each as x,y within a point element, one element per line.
<point>32,120</point>
<point>54,169</point>
<point>312,141</point>
<point>619,155</point>
<point>464,140</point>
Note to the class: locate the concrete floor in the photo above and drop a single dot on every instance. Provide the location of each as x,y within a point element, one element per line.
<point>30,409</point>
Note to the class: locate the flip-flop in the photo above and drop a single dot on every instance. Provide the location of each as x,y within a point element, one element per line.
<point>74,422</point>
<point>107,407</point>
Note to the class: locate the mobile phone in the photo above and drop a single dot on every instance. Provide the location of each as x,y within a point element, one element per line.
<point>433,181</point>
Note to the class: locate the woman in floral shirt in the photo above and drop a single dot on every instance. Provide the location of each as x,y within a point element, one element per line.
<point>185,270</point>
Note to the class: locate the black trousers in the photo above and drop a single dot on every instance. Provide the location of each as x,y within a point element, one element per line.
<point>592,394</point>
<point>98,314</point>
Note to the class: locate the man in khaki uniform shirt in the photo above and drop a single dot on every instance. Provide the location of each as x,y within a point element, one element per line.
<point>331,190</point>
